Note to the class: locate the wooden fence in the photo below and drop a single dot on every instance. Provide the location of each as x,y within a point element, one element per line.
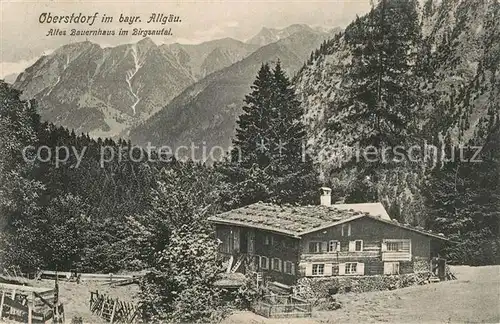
<point>29,304</point>
<point>112,310</point>
<point>74,275</point>
<point>275,306</point>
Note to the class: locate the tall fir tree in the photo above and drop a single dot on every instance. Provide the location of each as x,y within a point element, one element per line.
<point>380,91</point>
<point>254,124</point>
<point>269,161</point>
<point>377,105</point>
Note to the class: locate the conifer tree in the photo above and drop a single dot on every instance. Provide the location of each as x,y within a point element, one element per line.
<point>380,89</point>
<point>269,160</point>
<point>377,105</point>
<point>253,125</point>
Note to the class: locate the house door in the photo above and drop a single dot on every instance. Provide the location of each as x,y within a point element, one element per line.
<point>251,242</point>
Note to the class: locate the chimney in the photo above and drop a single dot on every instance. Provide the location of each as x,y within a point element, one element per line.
<point>326,196</point>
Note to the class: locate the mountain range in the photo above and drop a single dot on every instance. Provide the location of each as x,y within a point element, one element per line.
<point>181,94</point>
<point>206,112</point>
<point>271,35</point>
<point>108,91</point>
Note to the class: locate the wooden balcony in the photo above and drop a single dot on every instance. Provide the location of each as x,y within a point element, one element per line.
<point>396,256</point>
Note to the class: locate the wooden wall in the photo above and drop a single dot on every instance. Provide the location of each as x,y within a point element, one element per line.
<point>295,250</point>
<point>284,247</point>
<point>372,233</point>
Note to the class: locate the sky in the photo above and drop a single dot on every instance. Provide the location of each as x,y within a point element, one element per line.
<point>24,38</point>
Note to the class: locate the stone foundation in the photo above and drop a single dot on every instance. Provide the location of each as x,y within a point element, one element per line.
<point>314,288</point>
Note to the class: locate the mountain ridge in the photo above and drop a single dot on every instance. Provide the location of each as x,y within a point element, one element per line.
<point>458,66</point>
<point>104,91</point>
<point>206,111</point>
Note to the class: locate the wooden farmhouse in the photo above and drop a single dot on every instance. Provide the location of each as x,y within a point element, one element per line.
<point>283,243</point>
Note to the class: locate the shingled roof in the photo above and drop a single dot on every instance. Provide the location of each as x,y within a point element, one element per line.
<point>298,220</point>
<point>285,219</point>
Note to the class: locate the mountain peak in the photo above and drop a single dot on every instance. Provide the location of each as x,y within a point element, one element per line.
<point>271,35</point>
<point>146,42</point>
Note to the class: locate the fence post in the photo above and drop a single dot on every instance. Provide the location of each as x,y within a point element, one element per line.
<point>113,312</point>
<point>102,307</point>
<point>13,297</point>
<point>1,304</point>
<point>30,308</point>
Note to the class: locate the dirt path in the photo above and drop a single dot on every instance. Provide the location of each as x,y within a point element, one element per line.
<point>475,298</point>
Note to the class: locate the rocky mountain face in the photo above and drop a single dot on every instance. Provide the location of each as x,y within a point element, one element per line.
<point>461,55</point>
<point>205,113</point>
<point>456,66</point>
<point>105,91</point>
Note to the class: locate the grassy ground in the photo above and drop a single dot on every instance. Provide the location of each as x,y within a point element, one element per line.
<point>473,298</point>
<point>75,297</point>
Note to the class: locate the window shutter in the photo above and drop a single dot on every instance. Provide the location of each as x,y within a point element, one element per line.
<point>309,269</point>
<point>405,245</point>
<point>324,246</point>
<point>293,268</point>
<point>349,229</point>
<point>328,269</point>
<point>360,269</point>
<point>341,268</point>
<point>338,246</point>
<point>352,246</point>
<point>312,247</point>
<point>384,246</point>
<point>387,268</point>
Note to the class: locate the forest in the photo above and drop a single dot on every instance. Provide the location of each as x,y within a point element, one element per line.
<point>126,215</point>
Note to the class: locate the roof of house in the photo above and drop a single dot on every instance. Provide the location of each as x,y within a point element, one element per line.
<point>375,209</point>
<point>299,220</point>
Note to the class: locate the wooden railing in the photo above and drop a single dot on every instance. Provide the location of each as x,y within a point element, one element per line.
<point>396,256</point>
<point>30,304</point>
<point>282,307</point>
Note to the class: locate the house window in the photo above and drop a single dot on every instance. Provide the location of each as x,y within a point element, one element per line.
<point>346,230</point>
<point>264,262</point>
<point>267,240</point>
<point>358,247</point>
<point>391,268</point>
<point>333,246</point>
<point>276,264</point>
<point>351,268</point>
<point>318,269</point>
<point>314,247</point>
<point>289,268</point>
